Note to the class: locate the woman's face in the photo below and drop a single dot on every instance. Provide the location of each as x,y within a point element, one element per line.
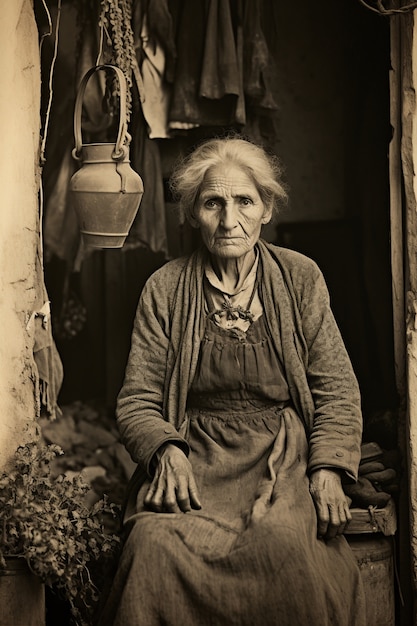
<point>229,211</point>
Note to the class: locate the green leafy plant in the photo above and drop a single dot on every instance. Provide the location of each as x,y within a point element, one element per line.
<point>44,520</point>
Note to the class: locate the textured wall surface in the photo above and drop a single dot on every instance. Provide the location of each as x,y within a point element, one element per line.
<point>408,42</point>
<point>19,131</point>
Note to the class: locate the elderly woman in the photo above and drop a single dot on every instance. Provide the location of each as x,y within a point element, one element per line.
<point>242,412</point>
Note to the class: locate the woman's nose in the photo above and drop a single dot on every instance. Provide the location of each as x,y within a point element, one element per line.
<point>229,217</point>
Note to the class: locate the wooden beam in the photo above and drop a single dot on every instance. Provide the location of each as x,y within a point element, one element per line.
<point>396,208</point>
<point>409,169</point>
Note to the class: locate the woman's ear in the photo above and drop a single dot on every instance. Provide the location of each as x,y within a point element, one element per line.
<point>192,220</point>
<point>267,215</point>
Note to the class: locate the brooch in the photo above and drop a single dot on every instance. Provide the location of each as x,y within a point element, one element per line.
<point>235,312</point>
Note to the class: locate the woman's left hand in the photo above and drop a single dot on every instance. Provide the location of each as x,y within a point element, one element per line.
<point>331,504</point>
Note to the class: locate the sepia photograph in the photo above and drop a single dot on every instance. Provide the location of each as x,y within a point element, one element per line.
<point>208,291</point>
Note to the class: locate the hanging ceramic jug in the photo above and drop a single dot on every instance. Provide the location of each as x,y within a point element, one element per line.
<point>106,192</point>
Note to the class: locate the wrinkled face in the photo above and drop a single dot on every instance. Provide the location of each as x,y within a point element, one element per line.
<point>229,211</point>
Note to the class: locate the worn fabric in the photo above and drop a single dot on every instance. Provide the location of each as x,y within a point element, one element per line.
<point>251,555</point>
<point>229,365</point>
<point>257,61</point>
<point>156,102</point>
<point>149,228</point>
<point>206,76</point>
<point>166,339</point>
<point>48,362</point>
<point>49,366</point>
<point>200,569</point>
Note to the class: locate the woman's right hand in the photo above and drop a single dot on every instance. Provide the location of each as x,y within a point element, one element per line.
<point>173,488</point>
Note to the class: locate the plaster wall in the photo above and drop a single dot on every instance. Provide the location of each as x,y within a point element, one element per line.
<point>19,228</point>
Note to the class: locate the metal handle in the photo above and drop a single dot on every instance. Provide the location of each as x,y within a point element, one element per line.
<point>119,151</point>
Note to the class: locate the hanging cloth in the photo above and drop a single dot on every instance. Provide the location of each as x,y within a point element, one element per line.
<point>149,227</point>
<point>206,78</point>
<point>156,102</point>
<point>155,47</point>
<point>221,73</point>
<point>46,356</point>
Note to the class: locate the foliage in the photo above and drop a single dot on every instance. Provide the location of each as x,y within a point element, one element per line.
<point>44,519</point>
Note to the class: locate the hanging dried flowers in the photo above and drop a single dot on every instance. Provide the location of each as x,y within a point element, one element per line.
<point>117,43</point>
<point>111,20</point>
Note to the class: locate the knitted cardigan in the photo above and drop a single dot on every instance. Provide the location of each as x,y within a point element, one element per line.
<point>169,324</point>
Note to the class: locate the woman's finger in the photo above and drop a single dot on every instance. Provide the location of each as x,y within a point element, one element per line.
<point>156,502</point>
<point>334,521</point>
<point>182,491</point>
<point>170,504</point>
<point>342,519</point>
<point>194,496</point>
<point>323,520</point>
<point>150,493</point>
<point>345,517</point>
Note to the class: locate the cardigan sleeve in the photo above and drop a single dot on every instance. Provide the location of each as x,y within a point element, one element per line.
<point>335,438</point>
<point>139,409</point>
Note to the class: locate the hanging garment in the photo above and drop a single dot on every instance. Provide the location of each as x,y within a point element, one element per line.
<point>155,47</point>
<point>61,229</point>
<point>48,363</point>
<point>222,68</point>
<point>257,60</point>
<point>46,356</point>
<point>159,25</point>
<point>157,94</point>
<point>149,226</point>
<point>206,47</point>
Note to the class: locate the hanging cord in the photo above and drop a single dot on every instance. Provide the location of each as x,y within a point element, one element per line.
<point>49,33</point>
<point>48,112</point>
<point>103,29</point>
<point>51,76</point>
<point>100,47</point>
<point>381,10</point>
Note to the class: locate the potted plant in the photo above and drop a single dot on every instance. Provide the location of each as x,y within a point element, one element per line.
<point>46,524</point>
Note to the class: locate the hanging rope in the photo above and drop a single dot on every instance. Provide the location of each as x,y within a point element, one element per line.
<point>51,76</point>
<point>49,32</point>
<point>48,111</point>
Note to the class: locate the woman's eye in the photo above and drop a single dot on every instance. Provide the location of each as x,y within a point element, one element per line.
<point>246,202</point>
<point>211,204</point>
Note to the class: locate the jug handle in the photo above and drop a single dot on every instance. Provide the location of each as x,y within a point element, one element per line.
<point>119,151</point>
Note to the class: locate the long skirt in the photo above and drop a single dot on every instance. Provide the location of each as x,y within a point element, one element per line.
<point>250,556</point>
